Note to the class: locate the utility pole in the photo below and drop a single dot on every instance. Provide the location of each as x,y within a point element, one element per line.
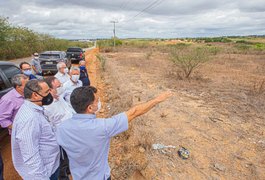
<point>114,31</point>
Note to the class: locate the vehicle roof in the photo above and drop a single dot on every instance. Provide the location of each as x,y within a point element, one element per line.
<point>52,52</point>
<point>74,47</point>
<point>6,63</point>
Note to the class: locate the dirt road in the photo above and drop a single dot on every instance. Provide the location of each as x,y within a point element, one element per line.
<point>91,62</point>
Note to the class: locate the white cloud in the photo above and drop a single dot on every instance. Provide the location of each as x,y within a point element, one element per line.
<point>167,18</point>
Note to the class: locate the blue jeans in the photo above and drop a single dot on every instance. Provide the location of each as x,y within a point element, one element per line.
<point>55,175</point>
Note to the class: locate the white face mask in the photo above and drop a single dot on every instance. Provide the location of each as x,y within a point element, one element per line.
<point>65,70</point>
<point>99,106</point>
<point>36,57</point>
<point>60,90</point>
<point>27,72</point>
<point>75,77</point>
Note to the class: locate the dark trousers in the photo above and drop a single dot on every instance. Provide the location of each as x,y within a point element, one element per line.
<point>1,167</point>
<point>109,178</point>
<point>64,165</point>
<point>55,175</point>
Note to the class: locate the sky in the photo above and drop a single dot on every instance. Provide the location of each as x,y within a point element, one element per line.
<point>90,19</point>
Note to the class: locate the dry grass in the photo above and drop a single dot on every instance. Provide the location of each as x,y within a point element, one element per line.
<point>222,110</point>
<point>258,88</point>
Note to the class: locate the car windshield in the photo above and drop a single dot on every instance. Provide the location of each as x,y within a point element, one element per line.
<point>50,56</point>
<point>74,50</point>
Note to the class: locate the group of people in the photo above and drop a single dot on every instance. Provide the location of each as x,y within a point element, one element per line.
<point>53,125</point>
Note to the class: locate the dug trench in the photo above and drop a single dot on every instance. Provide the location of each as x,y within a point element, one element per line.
<point>215,117</point>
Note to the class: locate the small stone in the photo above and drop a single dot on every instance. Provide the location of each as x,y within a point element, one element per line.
<point>141,149</point>
<point>219,167</point>
<point>117,162</point>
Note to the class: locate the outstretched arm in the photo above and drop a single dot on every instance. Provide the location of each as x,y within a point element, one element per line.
<point>145,107</point>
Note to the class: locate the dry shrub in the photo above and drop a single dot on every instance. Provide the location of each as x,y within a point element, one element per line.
<point>145,139</point>
<point>188,59</point>
<point>106,49</point>
<point>148,55</point>
<point>102,60</point>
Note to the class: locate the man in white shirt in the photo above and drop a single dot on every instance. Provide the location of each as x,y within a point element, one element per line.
<point>62,74</point>
<point>72,83</point>
<point>57,112</point>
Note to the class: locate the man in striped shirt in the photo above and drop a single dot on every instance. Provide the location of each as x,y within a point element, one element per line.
<point>35,152</point>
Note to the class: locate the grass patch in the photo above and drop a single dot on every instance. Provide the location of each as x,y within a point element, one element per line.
<point>102,61</point>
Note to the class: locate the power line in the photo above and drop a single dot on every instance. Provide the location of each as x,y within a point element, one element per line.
<point>124,4</point>
<point>129,4</point>
<point>149,7</point>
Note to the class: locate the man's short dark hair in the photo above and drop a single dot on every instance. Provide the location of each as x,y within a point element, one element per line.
<point>21,64</point>
<point>49,81</point>
<point>32,85</point>
<point>82,97</point>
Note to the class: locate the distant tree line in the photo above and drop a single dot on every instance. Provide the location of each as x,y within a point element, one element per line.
<point>18,42</point>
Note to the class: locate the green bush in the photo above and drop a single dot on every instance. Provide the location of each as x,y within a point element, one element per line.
<point>214,39</point>
<point>18,42</point>
<point>213,50</point>
<point>190,58</point>
<point>139,43</point>
<point>259,46</point>
<point>109,43</point>
<point>243,42</point>
<point>179,45</point>
<point>243,47</point>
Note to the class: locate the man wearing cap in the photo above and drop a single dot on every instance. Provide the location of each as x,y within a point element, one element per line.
<point>35,63</point>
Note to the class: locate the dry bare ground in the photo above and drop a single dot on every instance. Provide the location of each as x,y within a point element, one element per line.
<point>218,116</point>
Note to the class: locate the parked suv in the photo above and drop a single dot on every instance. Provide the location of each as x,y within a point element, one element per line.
<point>75,54</point>
<point>7,71</point>
<point>49,59</point>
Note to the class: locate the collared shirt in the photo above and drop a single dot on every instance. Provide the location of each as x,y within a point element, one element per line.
<point>84,77</point>
<point>31,76</point>
<point>69,86</point>
<point>86,140</point>
<point>36,64</point>
<point>35,152</point>
<point>58,111</point>
<point>62,77</point>
<point>9,105</point>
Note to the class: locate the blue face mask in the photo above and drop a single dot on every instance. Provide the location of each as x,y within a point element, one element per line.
<point>82,68</point>
<point>27,72</point>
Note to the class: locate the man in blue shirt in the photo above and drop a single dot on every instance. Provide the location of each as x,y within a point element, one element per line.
<point>83,73</point>
<point>35,63</point>
<point>86,139</point>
